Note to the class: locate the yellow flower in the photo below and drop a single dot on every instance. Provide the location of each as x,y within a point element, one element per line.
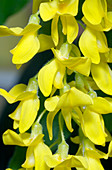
<point>29,44</point>
<point>92,43</point>
<point>36,150</point>
<point>96,15</point>
<point>70,57</point>
<point>66,102</point>
<point>61,159</point>
<point>66,9</point>
<point>26,112</point>
<point>92,155</point>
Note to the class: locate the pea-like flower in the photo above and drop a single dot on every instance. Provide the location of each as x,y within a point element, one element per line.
<point>36,150</point>
<point>30,42</point>
<point>66,102</point>
<point>66,10</point>
<point>26,112</point>
<point>92,43</point>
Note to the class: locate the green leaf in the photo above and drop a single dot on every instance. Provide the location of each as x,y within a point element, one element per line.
<point>8,8</point>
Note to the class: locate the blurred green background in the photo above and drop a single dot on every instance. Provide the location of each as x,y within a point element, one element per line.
<point>13,13</point>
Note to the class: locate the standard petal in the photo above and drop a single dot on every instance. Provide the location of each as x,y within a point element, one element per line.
<point>13,93</point>
<point>48,10</point>
<point>28,113</point>
<point>74,97</point>
<point>12,138</point>
<point>102,75</point>
<point>27,47</point>
<point>5,31</point>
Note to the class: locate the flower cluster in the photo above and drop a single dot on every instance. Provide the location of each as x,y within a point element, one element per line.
<point>76,100</point>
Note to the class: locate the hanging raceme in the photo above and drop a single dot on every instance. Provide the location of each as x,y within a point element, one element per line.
<point>65,95</point>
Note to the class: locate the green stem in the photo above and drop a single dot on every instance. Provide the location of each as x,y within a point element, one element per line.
<point>41,115</point>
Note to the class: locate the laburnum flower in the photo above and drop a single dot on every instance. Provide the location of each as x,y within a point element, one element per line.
<point>69,56</point>
<point>96,15</point>
<point>26,112</point>
<point>92,155</point>
<point>36,150</point>
<point>62,160</point>
<point>30,42</point>
<point>70,99</point>
<point>66,10</point>
<point>92,43</point>
<point>91,120</point>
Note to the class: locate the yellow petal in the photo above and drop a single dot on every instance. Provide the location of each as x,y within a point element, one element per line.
<point>101,42</point>
<point>72,28</point>
<point>28,113</point>
<point>102,75</point>
<point>27,47</point>
<point>80,64</point>
<point>110,149</point>
<point>17,112</point>
<point>45,78</point>
<point>52,160</point>
<point>64,24</point>
<point>88,45</point>
<point>26,95</point>
<point>93,127</point>
<point>13,93</point>
<point>94,11</point>
<point>67,117</point>
<point>30,161</point>
<point>5,31</point>
<point>15,124</point>
<point>68,7</point>
<point>93,162</point>
<point>46,42</point>
<point>54,30</point>
<point>40,151</point>
<point>47,10</point>
<point>74,97</point>
<point>50,118</point>
<point>51,103</point>
<point>12,138</point>
<point>75,140</point>
<point>101,105</point>
<point>58,80</point>
<point>30,28</point>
